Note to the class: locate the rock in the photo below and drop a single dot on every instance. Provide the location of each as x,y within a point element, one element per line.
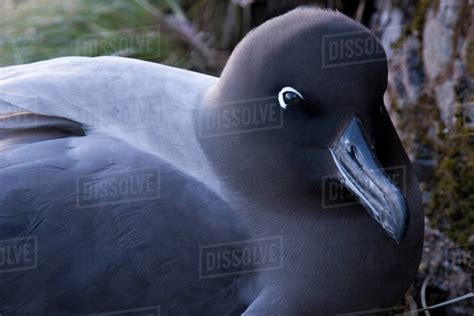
<point>390,25</point>
<point>406,75</point>
<point>445,99</point>
<point>440,38</point>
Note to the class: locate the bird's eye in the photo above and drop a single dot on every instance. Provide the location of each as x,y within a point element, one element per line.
<point>289,96</point>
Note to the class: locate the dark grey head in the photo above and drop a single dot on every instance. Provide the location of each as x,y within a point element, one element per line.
<point>326,75</point>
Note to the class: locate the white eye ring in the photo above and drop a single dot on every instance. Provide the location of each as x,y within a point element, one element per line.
<point>281,94</point>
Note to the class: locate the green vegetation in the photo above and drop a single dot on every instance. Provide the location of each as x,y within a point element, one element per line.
<point>417,121</point>
<point>452,203</point>
<point>415,26</point>
<point>470,57</point>
<point>37,29</point>
<point>419,16</point>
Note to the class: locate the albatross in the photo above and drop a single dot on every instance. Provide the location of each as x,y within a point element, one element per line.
<point>134,187</point>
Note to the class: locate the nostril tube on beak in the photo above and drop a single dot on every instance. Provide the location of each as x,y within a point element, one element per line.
<point>366,178</point>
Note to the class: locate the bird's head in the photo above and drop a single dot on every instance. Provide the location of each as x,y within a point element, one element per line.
<point>300,99</point>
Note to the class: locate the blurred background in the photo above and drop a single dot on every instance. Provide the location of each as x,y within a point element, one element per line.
<point>430,45</point>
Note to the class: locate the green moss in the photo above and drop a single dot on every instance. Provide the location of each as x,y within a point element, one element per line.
<point>470,57</point>
<point>461,31</point>
<point>416,122</point>
<point>451,208</point>
<point>452,205</point>
<point>415,27</point>
<point>419,16</point>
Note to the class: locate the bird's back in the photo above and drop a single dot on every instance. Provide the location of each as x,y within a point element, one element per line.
<point>114,223</point>
<point>147,105</point>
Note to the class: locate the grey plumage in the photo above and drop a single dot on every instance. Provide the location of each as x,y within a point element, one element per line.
<point>88,119</point>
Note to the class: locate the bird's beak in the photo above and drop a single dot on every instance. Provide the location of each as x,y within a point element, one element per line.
<point>362,174</point>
